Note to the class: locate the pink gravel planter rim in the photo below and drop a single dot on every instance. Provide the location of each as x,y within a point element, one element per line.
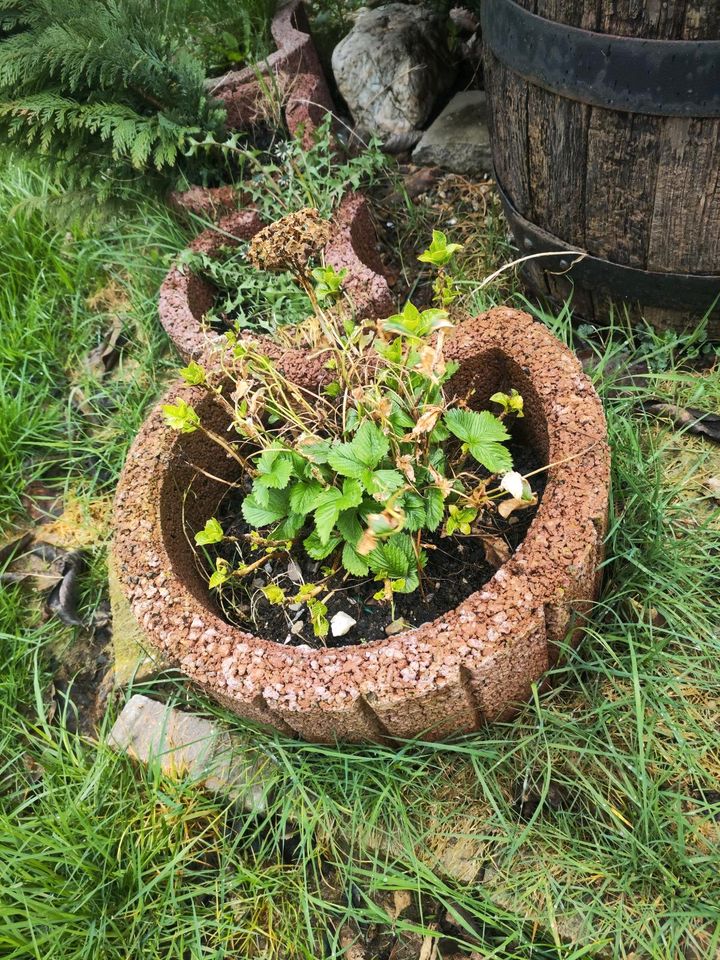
<point>185,298</point>
<point>468,667</point>
<point>296,68</point>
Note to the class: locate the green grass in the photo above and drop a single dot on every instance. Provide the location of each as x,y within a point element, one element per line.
<point>100,858</point>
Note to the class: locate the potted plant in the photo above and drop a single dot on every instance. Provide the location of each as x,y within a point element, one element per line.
<point>211,287</point>
<point>385,533</point>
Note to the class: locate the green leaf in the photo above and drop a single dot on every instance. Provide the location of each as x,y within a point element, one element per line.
<point>290,527</point>
<point>383,483</point>
<point>366,450</point>
<point>212,532</point>
<point>261,515</point>
<point>393,559</point>
<point>275,475</point>
<point>181,416</point>
<point>434,508</point>
<point>304,495</point>
<point>349,526</point>
<point>316,451</point>
<point>193,373</point>
<point>326,517</point>
<point>220,575</point>
<point>353,562</point>
<point>415,325</point>
<point>331,502</point>
<point>440,251</point>
<point>415,511</point>
<point>274,594</point>
<point>482,433</point>
<point>318,550</point>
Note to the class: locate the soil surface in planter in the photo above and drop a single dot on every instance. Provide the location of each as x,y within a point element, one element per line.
<point>456,568</point>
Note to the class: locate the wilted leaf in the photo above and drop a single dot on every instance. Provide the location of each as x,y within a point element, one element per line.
<point>14,548</point>
<point>497,552</point>
<point>105,356</point>
<point>63,596</point>
<point>41,502</point>
<point>689,419</point>
<point>506,507</point>
<point>713,486</point>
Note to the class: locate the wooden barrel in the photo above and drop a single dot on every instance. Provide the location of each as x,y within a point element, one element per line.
<point>606,140</point>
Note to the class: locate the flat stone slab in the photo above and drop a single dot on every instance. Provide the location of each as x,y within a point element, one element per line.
<point>459,140</point>
<point>186,745</point>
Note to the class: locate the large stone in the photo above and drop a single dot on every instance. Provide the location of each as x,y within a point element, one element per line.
<point>459,140</point>
<point>391,69</point>
<point>185,745</point>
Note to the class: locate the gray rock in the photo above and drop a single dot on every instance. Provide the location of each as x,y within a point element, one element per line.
<point>459,140</point>
<point>391,69</point>
<point>186,745</point>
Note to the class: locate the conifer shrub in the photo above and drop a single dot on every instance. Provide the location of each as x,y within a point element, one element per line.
<point>111,92</point>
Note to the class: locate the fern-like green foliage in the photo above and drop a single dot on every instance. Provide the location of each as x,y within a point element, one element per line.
<point>106,90</point>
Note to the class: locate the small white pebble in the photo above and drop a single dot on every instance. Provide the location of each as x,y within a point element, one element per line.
<point>341,624</point>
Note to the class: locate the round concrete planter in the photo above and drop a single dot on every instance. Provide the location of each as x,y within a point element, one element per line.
<point>295,72</point>
<point>468,667</point>
<point>185,297</point>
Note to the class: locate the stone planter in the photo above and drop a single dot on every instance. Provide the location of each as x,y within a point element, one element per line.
<point>470,666</point>
<point>295,72</point>
<point>185,298</point>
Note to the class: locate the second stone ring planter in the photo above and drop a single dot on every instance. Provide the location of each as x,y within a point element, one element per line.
<point>185,297</point>
<point>468,667</point>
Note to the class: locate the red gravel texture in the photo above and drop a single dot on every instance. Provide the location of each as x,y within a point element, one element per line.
<point>467,668</point>
<point>295,72</point>
<point>185,298</point>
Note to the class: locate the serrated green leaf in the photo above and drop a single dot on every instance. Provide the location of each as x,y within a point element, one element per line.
<point>279,477</point>
<point>365,451</point>
<point>349,526</point>
<point>316,451</point>
<point>483,435</point>
<point>290,527</point>
<point>383,483</point>
<point>493,456</point>
<point>472,426</point>
<point>415,511</point>
<point>353,562</point>
<point>212,532</point>
<point>434,508</point>
<point>303,496</point>
<point>318,550</point>
<point>193,373</point>
<point>326,517</point>
<point>393,559</point>
<point>181,416</point>
<point>261,515</point>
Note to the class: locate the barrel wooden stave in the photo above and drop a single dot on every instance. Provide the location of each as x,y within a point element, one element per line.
<point>639,190</point>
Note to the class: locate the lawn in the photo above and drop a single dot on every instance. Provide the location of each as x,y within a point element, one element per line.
<point>586,827</point>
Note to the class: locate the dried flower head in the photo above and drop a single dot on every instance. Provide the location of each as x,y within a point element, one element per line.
<point>289,244</point>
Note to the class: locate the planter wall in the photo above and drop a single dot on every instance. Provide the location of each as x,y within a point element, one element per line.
<point>468,667</point>
<point>294,72</point>
<point>606,139</point>
<point>185,298</point>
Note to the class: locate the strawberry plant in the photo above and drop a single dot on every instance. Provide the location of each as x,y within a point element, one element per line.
<point>366,475</point>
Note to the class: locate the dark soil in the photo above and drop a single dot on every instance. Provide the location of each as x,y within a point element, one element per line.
<point>456,567</point>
